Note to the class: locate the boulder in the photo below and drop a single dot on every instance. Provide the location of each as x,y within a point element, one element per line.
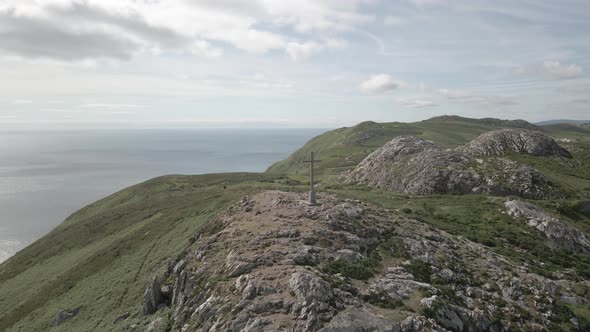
<point>505,141</point>
<point>121,318</point>
<point>416,166</point>
<point>557,231</point>
<point>64,315</point>
<point>152,297</point>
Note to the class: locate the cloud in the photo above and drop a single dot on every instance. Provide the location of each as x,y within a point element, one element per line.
<point>22,102</point>
<point>72,30</point>
<point>552,70</point>
<point>110,106</point>
<point>394,20</point>
<point>302,51</point>
<point>462,96</point>
<point>416,103</point>
<point>38,37</point>
<point>424,3</point>
<point>204,48</point>
<point>562,71</point>
<point>380,83</point>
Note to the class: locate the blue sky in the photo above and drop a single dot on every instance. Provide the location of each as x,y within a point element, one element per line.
<point>289,63</point>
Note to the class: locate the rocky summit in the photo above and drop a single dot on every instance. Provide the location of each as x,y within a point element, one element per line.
<point>413,165</point>
<point>506,141</point>
<point>272,263</point>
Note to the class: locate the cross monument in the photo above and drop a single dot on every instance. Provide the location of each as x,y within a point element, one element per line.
<point>311,197</point>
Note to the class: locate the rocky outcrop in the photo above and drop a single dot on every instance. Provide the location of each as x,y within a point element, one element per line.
<point>416,166</point>
<point>413,165</point>
<point>559,233</point>
<point>360,320</point>
<point>276,264</point>
<point>64,315</point>
<point>523,141</point>
<point>152,297</point>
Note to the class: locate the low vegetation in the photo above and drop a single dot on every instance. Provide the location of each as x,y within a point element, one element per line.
<point>104,255</point>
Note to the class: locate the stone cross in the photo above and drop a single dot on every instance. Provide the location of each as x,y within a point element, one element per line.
<point>311,196</point>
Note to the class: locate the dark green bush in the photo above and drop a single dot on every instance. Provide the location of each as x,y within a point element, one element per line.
<point>421,270</point>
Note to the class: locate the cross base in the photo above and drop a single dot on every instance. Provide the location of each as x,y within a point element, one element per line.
<point>311,199</point>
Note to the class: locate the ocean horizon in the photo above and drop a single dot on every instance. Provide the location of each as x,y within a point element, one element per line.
<point>47,175</point>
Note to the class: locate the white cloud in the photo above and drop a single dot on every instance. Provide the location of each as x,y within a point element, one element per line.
<point>71,30</point>
<point>318,15</point>
<point>22,102</point>
<point>562,71</point>
<point>301,51</point>
<point>110,106</point>
<point>423,3</point>
<point>416,103</point>
<point>462,96</point>
<point>552,70</point>
<point>204,48</point>
<point>394,20</point>
<point>380,83</point>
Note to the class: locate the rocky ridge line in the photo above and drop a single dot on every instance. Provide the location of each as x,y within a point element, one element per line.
<point>272,263</point>
<point>413,165</point>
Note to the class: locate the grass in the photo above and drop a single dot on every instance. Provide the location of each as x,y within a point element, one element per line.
<point>361,270</point>
<point>481,219</point>
<point>102,257</point>
<point>344,148</point>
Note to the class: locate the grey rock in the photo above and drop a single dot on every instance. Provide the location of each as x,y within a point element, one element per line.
<point>360,320</point>
<point>155,324</point>
<point>398,288</point>
<point>121,318</point>
<point>309,288</point>
<point>415,166</point>
<point>348,255</point>
<point>571,299</point>
<point>524,141</point>
<point>152,297</point>
<point>306,256</point>
<point>64,315</point>
<point>257,325</point>
<point>557,231</point>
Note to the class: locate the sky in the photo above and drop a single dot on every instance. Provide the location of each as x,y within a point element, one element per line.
<point>289,63</point>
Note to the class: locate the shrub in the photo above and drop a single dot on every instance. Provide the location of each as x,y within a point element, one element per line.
<point>382,300</point>
<point>395,247</point>
<point>361,270</point>
<point>421,270</point>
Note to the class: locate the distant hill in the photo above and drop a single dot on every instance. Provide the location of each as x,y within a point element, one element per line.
<point>342,149</point>
<point>559,121</point>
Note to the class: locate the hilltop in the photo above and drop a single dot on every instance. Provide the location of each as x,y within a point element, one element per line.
<point>562,121</point>
<point>416,166</point>
<point>342,149</point>
<point>240,251</point>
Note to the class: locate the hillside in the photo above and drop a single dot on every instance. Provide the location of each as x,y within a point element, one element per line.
<point>344,148</point>
<point>415,166</point>
<point>240,251</point>
<point>562,121</point>
<point>101,258</point>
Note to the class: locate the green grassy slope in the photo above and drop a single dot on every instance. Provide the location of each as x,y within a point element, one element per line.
<point>482,219</point>
<point>102,257</point>
<point>344,148</point>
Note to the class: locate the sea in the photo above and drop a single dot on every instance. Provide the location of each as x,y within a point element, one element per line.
<point>47,175</point>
